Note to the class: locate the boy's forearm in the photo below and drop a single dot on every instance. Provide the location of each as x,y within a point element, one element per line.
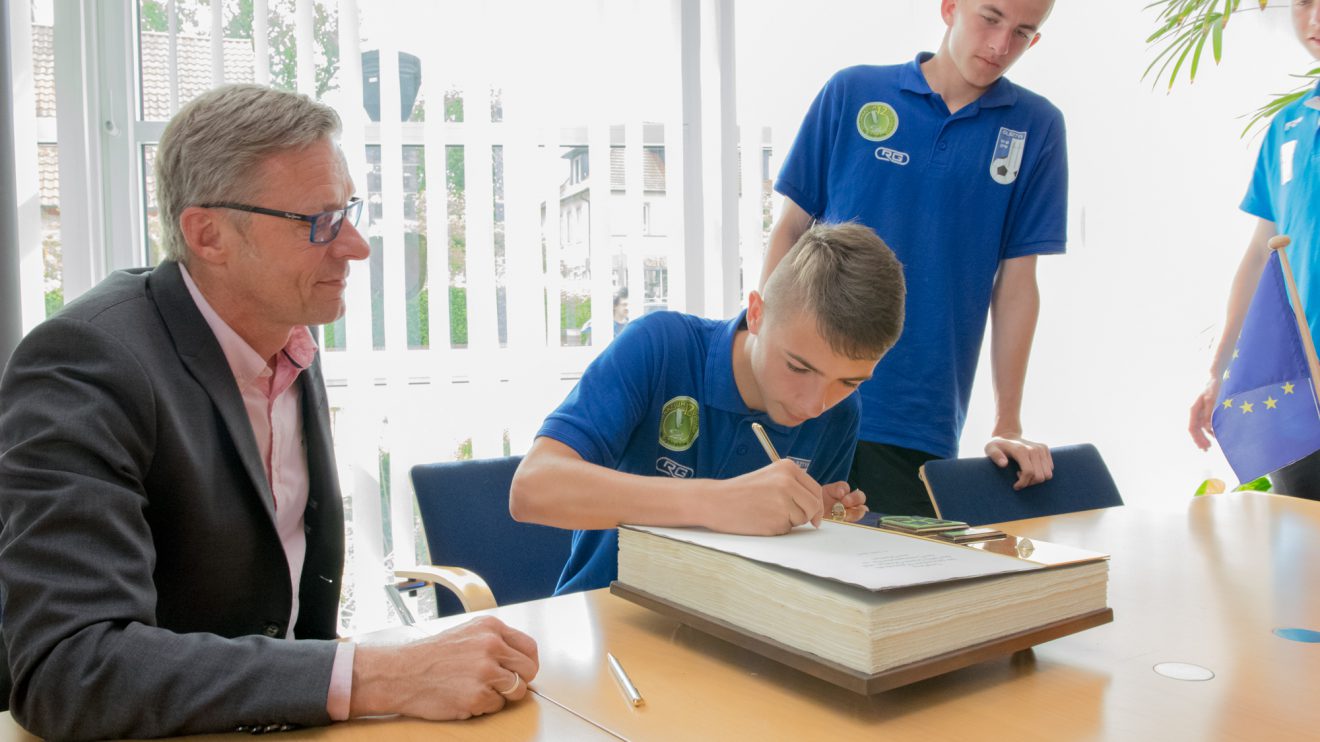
<point>1014,309</point>
<point>555,487</point>
<point>793,222</point>
<point>1239,298</point>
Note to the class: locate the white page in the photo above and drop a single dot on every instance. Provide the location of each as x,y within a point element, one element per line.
<point>866,557</point>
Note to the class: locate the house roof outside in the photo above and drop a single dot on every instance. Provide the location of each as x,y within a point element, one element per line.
<point>194,66</point>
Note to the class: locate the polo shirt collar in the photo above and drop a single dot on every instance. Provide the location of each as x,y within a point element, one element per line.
<point>721,390</point>
<point>1002,93</point>
<point>1312,100</point>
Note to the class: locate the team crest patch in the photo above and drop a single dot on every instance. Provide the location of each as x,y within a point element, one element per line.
<point>679,423</point>
<point>877,121</point>
<point>1007,159</point>
<point>803,464</point>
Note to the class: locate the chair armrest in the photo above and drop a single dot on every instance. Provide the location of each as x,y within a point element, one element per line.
<point>471,590</point>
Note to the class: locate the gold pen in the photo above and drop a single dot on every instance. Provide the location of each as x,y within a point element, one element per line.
<point>625,684</point>
<point>838,512</point>
<point>765,442</point>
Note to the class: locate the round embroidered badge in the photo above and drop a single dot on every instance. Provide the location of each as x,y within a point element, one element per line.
<point>877,121</point>
<point>679,423</point>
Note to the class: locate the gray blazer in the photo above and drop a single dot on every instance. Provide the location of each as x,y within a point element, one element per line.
<point>141,575</point>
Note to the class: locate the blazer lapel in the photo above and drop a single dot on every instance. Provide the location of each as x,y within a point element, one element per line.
<point>202,356</point>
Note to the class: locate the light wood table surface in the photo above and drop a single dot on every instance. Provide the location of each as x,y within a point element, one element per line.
<point>1206,586</point>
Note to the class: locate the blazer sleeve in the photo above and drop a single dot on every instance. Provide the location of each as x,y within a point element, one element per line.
<point>88,660</point>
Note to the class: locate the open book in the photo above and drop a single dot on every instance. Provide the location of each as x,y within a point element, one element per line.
<point>887,608</point>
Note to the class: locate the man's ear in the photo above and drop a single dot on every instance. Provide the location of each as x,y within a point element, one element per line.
<point>1034,39</point>
<point>755,312</point>
<point>203,234</point>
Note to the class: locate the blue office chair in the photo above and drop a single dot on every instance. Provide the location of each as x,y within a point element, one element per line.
<point>977,491</point>
<point>465,513</point>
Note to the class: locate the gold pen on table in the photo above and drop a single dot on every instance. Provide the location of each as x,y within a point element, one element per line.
<point>625,683</point>
<point>838,512</point>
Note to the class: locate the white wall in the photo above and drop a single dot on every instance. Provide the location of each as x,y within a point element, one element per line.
<point>1130,314</point>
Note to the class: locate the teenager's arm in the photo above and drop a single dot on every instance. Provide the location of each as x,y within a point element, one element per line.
<point>793,223</point>
<point>554,486</point>
<point>1014,307</point>
<point>1239,298</point>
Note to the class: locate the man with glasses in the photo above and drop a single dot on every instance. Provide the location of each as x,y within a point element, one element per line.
<point>173,535</point>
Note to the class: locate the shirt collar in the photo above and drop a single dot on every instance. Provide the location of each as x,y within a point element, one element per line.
<point>245,363</point>
<point>1312,99</point>
<point>1002,93</point>
<point>721,389</point>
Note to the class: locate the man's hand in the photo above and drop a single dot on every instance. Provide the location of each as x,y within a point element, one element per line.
<point>853,501</point>
<point>1204,406</point>
<point>466,671</point>
<point>765,502</point>
<point>1032,458</point>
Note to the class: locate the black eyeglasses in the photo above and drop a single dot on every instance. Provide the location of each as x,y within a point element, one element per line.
<point>325,225</point>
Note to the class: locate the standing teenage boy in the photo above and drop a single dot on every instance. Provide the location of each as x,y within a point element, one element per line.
<point>659,429</point>
<point>1284,195</point>
<point>964,175</point>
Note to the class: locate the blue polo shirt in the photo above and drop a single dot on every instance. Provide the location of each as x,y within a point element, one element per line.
<point>952,196</point>
<point>1285,189</point>
<point>661,401</point>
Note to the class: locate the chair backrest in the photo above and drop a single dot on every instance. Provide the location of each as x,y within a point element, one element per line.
<point>977,491</point>
<point>465,513</point>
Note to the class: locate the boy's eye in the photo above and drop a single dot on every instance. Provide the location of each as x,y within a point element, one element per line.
<point>796,369</point>
<point>851,384</point>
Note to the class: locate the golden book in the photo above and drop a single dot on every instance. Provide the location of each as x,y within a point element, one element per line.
<point>865,608</point>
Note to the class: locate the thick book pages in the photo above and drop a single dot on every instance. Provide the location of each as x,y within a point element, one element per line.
<point>865,599</point>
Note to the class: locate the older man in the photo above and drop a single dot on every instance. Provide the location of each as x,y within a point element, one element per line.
<point>172,537</point>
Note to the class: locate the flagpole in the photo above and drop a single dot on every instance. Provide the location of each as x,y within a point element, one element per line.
<point>1278,242</point>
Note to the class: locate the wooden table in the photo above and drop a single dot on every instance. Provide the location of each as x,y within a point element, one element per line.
<point>1206,586</point>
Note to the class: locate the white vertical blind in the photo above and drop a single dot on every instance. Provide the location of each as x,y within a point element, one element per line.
<point>25,164</point>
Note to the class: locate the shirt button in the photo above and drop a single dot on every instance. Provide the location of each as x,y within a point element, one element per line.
<point>944,145</point>
<point>742,450</point>
<point>272,630</point>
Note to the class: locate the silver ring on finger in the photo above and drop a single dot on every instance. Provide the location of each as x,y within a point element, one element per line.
<point>517,681</point>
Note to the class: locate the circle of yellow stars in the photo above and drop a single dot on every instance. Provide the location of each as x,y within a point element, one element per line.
<point>1270,402</point>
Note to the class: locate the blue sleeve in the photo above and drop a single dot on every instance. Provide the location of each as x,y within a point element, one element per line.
<point>1039,222</point>
<point>805,172</point>
<point>599,416</point>
<point>1259,200</point>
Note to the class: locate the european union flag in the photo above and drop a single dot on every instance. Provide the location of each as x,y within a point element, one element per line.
<point>1267,416</point>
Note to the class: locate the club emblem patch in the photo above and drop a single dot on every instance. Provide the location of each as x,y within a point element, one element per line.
<point>1007,158</point>
<point>877,121</point>
<point>679,423</point>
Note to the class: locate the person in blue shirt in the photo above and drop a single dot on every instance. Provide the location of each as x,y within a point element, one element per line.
<point>1284,195</point>
<point>658,431</point>
<point>964,175</point>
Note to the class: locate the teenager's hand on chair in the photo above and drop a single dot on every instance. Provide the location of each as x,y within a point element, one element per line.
<point>765,502</point>
<point>1199,422</point>
<point>1033,459</point>
<point>840,493</point>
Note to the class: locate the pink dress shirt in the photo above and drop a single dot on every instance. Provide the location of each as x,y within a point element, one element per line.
<point>272,398</point>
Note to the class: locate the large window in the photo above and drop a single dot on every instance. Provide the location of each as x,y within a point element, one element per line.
<point>539,173</point>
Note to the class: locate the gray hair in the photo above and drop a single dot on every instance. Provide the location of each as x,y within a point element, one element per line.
<point>214,147</point>
<point>850,280</point>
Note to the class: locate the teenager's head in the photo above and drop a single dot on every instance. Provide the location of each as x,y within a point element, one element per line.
<point>829,311</point>
<point>1306,19</point>
<point>985,37</point>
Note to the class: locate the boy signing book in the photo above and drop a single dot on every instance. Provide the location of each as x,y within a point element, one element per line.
<point>659,429</point>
